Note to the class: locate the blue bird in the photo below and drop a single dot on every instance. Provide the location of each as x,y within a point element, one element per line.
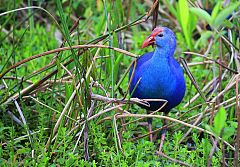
<point>157,75</point>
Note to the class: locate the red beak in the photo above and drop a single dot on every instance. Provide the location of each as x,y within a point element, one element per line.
<point>151,39</point>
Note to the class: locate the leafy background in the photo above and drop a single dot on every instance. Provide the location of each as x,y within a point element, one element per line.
<point>64,107</point>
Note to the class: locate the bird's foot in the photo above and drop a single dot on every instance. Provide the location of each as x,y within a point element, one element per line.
<point>150,136</point>
<point>150,129</point>
<point>162,141</point>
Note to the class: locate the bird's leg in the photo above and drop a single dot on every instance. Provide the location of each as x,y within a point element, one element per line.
<point>164,130</point>
<point>150,129</point>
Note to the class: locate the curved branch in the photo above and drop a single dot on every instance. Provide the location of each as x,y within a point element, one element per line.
<point>63,49</point>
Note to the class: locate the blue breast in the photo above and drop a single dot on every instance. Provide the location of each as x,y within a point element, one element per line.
<point>161,77</point>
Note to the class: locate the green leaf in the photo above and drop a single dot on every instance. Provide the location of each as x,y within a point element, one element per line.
<point>23,150</point>
<point>202,14</point>
<point>208,128</point>
<point>171,8</point>
<point>118,58</point>
<point>192,23</point>
<point>88,12</point>
<point>202,41</point>
<point>184,13</point>
<point>178,15</point>
<point>215,10</point>
<point>68,92</point>
<point>120,12</point>
<point>228,132</point>
<point>60,70</point>
<point>224,14</point>
<point>219,121</point>
<point>233,124</point>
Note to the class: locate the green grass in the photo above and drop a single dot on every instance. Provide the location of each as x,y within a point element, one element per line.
<point>61,134</point>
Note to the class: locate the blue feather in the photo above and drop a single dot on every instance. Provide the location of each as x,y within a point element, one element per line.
<point>160,75</point>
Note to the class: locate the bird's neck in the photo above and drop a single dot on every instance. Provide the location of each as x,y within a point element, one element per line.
<point>164,52</point>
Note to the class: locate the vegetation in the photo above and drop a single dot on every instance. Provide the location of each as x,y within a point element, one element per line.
<point>64,83</point>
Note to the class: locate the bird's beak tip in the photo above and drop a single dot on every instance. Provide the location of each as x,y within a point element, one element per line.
<point>145,44</point>
<point>150,40</point>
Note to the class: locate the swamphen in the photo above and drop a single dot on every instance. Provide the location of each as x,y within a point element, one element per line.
<point>158,75</point>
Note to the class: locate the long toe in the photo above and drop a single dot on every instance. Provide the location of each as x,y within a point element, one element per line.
<point>150,129</point>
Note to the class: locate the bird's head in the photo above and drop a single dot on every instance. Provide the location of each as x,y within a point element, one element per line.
<point>162,37</point>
